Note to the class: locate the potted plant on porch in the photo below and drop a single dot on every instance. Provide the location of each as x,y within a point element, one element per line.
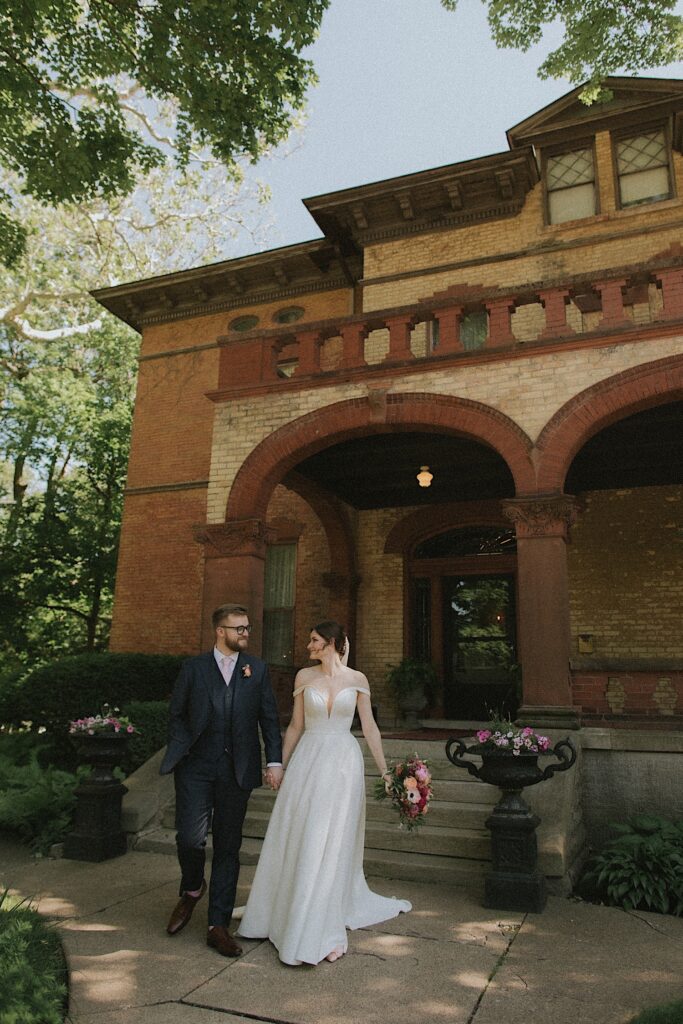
<point>413,683</point>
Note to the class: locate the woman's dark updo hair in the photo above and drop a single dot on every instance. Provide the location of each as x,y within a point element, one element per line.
<point>330,630</point>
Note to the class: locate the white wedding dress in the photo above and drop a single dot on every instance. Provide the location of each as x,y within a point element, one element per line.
<point>309,885</point>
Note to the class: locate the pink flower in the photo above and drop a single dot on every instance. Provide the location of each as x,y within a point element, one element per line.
<point>130,728</point>
<point>483,735</point>
<point>246,671</point>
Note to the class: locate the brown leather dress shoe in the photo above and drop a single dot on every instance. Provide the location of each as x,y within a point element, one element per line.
<point>183,911</point>
<point>220,939</point>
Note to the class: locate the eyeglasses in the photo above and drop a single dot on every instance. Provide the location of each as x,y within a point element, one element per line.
<point>240,630</point>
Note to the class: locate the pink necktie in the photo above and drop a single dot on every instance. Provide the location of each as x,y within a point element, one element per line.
<point>227,669</point>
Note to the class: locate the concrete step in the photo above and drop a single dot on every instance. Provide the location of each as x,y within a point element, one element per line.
<point>428,839</point>
<point>378,863</point>
<point>457,814</point>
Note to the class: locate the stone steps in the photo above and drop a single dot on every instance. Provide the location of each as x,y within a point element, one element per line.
<point>453,846</point>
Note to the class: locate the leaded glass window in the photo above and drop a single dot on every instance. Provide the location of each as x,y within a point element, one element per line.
<point>570,184</point>
<point>643,168</point>
<point>468,540</point>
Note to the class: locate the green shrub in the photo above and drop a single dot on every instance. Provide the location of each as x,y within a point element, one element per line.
<point>667,1013</point>
<point>37,804</point>
<point>51,696</point>
<point>642,868</point>
<point>151,718</point>
<point>32,967</point>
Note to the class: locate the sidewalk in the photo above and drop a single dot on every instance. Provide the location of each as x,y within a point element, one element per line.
<point>450,961</point>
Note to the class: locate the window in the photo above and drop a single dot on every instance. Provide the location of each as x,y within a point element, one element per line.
<point>643,168</point>
<point>473,330</point>
<point>278,604</point>
<point>288,315</point>
<point>570,184</point>
<point>243,323</point>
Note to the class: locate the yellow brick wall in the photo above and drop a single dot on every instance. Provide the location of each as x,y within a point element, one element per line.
<point>626,573</point>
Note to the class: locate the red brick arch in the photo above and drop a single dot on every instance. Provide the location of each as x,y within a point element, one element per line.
<point>265,467</point>
<point>634,390</point>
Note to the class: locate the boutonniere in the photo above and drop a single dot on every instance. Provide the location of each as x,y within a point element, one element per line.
<point>246,671</point>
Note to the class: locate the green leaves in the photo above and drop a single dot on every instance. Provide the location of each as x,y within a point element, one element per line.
<point>601,37</point>
<point>643,867</point>
<point>78,83</point>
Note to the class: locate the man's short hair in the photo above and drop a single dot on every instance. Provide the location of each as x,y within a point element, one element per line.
<point>225,610</point>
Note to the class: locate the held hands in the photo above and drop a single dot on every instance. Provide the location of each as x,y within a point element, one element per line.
<point>387,782</point>
<point>274,776</point>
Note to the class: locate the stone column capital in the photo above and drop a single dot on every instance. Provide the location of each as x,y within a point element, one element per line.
<point>233,538</point>
<point>549,516</point>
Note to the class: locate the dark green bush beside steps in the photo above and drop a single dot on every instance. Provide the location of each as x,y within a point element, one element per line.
<point>51,696</point>
<point>39,765</point>
<point>32,967</point>
<point>640,869</point>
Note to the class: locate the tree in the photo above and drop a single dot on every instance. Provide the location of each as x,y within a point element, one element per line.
<point>67,380</point>
<point>601,37</point>
<point>80,81</point>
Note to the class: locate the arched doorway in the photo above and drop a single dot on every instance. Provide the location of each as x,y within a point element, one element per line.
<point>462,599</point>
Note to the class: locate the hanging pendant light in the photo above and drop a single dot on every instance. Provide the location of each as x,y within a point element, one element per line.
<point>424,477</point>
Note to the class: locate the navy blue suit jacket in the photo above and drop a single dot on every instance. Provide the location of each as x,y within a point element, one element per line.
<point>253,706</point>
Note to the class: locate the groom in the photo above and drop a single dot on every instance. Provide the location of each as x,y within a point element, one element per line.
<point>219,701</point>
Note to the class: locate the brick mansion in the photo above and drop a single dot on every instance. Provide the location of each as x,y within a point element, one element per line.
<point>453,423</point>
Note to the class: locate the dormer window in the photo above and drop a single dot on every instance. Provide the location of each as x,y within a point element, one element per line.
<point>643,168</point>
<point>570,185</point>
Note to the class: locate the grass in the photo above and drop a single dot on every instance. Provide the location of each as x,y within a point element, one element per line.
<point>32,966</point>
<point>667,1013</point>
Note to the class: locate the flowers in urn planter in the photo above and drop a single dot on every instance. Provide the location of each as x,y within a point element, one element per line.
<point>504,736</point>
<point>108,721</point>
<point>410,789</point>
<point>246,671</point>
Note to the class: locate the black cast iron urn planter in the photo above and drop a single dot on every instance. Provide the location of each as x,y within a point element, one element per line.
<point>97,834</point>
<point>515,883</point>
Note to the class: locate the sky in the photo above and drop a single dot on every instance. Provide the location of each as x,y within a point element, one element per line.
<point>404,85</point>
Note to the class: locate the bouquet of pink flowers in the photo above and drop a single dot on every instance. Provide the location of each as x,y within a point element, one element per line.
<point>410,790</point>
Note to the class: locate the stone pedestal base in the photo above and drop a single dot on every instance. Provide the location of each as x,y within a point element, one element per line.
<point>509,890</point>
<point>97,833</point>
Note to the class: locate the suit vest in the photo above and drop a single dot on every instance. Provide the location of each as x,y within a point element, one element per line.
<point>216,739</point>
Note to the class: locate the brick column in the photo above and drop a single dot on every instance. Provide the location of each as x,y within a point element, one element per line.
<point>449,329</point>
<point>500,327</point>
<point>555,305</point>
<point>612,300</point>
<point>234,557</point>
<point>399,337</point>
<point>309,343</point>
<point>672,293</point>
<point>541,525</point>
<point>353,344</point>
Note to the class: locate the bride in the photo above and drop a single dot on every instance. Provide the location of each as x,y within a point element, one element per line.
<point>309,885</point>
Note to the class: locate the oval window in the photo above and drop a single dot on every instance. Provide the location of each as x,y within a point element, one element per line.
<point>288,315</point>
<point>243,323</point>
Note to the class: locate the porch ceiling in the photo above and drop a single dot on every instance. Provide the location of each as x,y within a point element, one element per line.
<point>379,471</point>
<point>643,450</point>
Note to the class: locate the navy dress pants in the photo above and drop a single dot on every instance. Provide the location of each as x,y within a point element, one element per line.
<point>209,797</point>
